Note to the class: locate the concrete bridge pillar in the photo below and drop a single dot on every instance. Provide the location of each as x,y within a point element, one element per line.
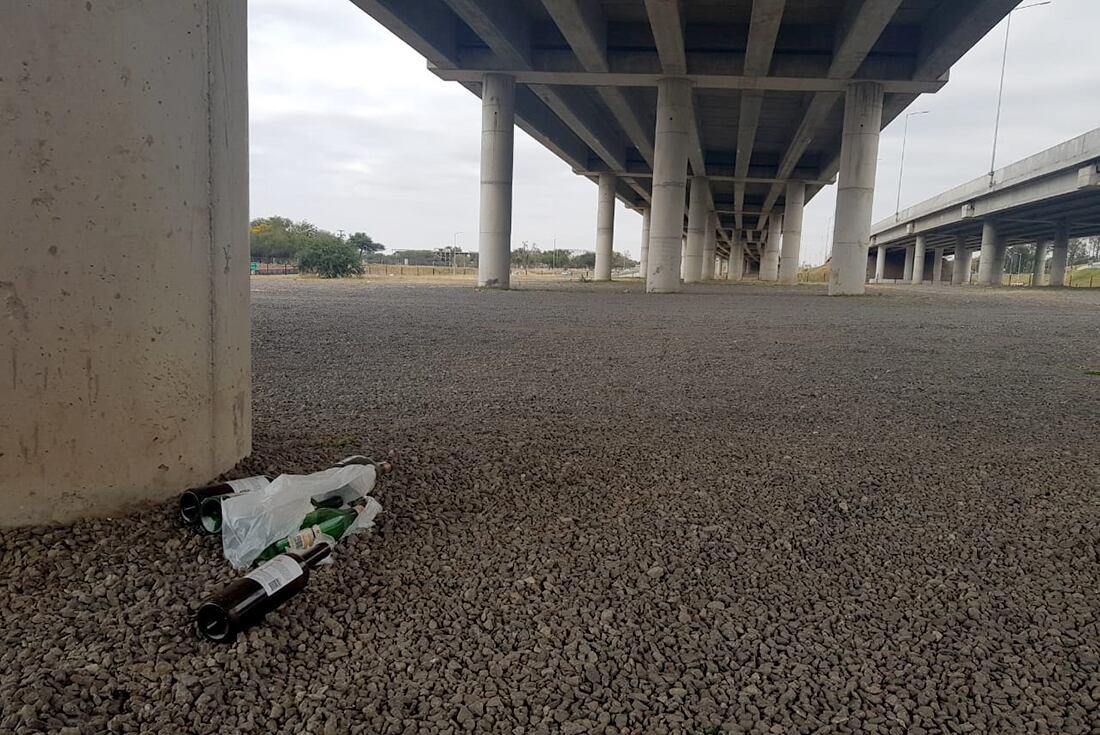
<point>1059,256</point>
<point>792,233</point>
<point>674,120</point>
<point>937,266</point>
<point>918,259</point>
<point>710,246</point>
<point>698,219</point>
<point>880,264</point>
<point>1037,268</point>
<point>988,273</point>
<point>646,219</point>
<point>856,188</point>
<point>736,269</point>
<point>910,257</point>
<point>769,257</point>
<point>605,226</point>
<point>960,270</point>
<point>498,113</point>
<point>124,327</point>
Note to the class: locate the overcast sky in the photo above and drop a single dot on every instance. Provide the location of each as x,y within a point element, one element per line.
<point>350,131</point>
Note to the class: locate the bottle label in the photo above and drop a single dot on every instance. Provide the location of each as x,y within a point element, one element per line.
<point>304,539</point>
<point>249,484</point>
<point>276,574</point>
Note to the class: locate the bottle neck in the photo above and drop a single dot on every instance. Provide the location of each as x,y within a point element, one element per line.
<point>314,555</point>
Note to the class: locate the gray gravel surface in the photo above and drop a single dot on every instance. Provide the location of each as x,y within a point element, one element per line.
<point>741,509</point>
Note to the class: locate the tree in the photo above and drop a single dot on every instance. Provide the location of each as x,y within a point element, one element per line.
<point>330,257</point>
<point>364,243</point>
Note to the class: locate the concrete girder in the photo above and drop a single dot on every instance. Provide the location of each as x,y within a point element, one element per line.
<point>860,29</point>
<point>585,30</point>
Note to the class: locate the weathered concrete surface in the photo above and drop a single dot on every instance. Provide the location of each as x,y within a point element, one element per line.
<point>124,268</point>
<point>856,188</point>
<point>498,111</point>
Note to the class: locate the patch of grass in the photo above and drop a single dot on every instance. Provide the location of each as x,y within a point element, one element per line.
<point>1091,371</point>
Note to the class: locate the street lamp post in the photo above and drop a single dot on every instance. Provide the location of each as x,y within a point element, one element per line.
<point>901,168</point>
<point>454,253</point>
<point>1001,88</point>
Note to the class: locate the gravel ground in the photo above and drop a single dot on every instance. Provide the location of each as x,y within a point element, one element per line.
<point>742,509</point>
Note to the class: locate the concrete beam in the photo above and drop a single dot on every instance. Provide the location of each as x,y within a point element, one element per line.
<point>666,19</point>
<point>580,78</point>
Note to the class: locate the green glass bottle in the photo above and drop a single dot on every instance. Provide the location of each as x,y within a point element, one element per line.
<point>331,522</point>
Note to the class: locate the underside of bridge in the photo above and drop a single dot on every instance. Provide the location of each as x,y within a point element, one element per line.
<point>764,86</point>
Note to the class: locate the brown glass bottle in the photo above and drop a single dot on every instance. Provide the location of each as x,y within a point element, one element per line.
<point>191,500</point>
<point>246,601</point>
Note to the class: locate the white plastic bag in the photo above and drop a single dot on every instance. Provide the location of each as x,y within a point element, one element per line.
<point>253,521</point>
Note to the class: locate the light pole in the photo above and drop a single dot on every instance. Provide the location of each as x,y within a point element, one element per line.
<point>1001,88</point>
<point>454,253</point>
<point>901,168</point>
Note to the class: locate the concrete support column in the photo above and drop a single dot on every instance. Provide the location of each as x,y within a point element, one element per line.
<point>736,269</point>
<point>1038,267</point>
<point>918,259</point>
<point>710,245</point>
<point>907,272</point>
<point>960,270</point>
<point>498,112</point>
<point>1059,256</point>
<point>769,258</point>
<point>605,226</point>
<point>937,266</point>
<point>856,188</point>
<point>988,275</point>
<point>880,264</point>
<point>674,120</point>
<point>124,328</point>
<point>792,233</point>
<point>643,267</point>
<point>698,218</point>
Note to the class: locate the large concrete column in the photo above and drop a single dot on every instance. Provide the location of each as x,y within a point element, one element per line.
<point>856,188</point>
<point>1059,256</point>
<point>710,245</point>
<point>498,112</point>
<point>907,271</point>
<point>124,329</point>
<point>736,269</point>
<point>960,269</point>
<point>988,275</point>
<point>769,257</point>
<point>937,266</point>
<point>1037,268</point>
<point>918,259</point>
<point>605,226</point>
<point>644,265</point>
<point>698,217</point>
<point>880,264</point>
<point>674,120</point>
<point>792,233</point>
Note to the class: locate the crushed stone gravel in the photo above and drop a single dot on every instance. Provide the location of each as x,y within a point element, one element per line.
<point>740,509</point>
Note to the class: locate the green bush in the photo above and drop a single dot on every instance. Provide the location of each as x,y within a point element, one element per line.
<point>330,257</point>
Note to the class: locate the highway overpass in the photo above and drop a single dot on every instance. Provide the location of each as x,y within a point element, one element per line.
<point>124,280</point>
<point>755,104</point>
<point>1045,199</point>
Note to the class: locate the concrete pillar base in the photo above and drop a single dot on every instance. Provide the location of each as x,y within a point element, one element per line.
<point>126,361</point>
<point>855,191</point>
<point>792,233</point>
<point>674,120</point>
<point>605,226</point>
<point>498,111</point>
